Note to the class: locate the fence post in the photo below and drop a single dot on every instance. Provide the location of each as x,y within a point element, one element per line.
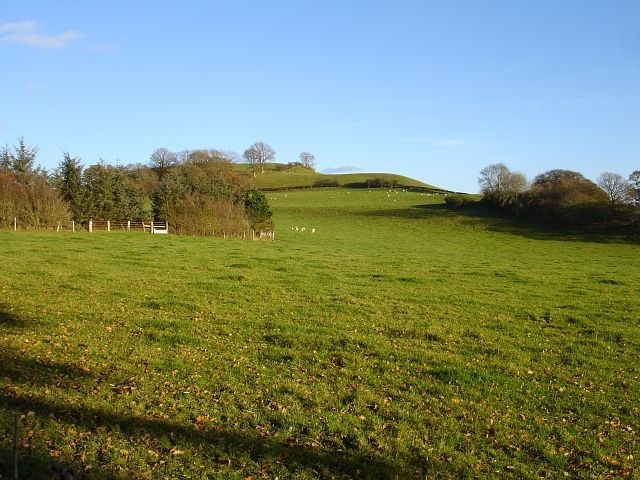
<point>90,226</point>
<point>15,223</point>
<point>73,226</point>
<point>128,225</point>
<point>108,225</point>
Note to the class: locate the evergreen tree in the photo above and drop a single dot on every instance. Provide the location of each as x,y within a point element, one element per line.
<point>68,181</point>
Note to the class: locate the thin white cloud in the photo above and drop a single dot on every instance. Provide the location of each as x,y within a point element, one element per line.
<point>29,33</point>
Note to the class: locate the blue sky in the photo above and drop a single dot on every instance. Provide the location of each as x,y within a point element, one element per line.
<point>435,90</point>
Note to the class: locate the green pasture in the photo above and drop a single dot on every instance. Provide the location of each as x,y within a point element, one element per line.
<point>397,340</point>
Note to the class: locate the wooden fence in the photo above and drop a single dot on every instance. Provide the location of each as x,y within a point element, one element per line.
<point>127,226</point>
<point>101,225</point>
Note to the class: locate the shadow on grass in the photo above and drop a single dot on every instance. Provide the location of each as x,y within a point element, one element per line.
<point>486,218</point>
<point>36,466</point>
<point>10,320</point>
<point>216,441</point>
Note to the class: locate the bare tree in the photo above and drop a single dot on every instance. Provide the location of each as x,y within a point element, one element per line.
<point>513,186</point>
<point>308,160</point>
<point>493,178</point>
<point>616,186</point>
<point>258,154</point>
<point>161,159</point>
<point>502,186</point>
<point>634,178</point>
<point>227,155</point>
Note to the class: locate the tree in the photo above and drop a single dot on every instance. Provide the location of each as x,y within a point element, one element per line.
<point>258,154</point>
<point>6,157</point>
<point>565,196</point>
<point>144,177</point>
<point>26,193</point>
<point>23,158</point>
<point>565,188</point>
<point>68,181</point>
<point>492,179</point>
<point>634,178</point>
<point>226,155</point>
<point>161,159</point>
<point>514,185</point>
<point>616,186</point>
<point>257,210</point>
<point>203,156</point>
<point>203,196</point>
<point>502,186</point>
<point>110,194</point>
<point>308,160</point>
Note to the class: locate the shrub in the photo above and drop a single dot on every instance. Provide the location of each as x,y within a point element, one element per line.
<point>257,211</point>
<point>458,200</point>
<point>381,182</point>
<point>31,200</point>
<point>327,182</point>
<point>198,214</point>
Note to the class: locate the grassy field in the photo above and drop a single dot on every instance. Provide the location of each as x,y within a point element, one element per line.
<point>398,340</point>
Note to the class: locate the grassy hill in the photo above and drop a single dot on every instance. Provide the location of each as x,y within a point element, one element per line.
<point>280,176</point>
<point>391,338</point>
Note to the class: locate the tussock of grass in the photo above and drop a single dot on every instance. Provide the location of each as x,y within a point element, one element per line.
<point>399,340</point>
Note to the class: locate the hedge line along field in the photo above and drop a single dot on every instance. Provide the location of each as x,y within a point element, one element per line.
<point>398,340</point>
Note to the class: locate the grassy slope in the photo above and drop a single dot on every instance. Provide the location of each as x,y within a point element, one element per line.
<point>399,340</point>
<point>298,177</point>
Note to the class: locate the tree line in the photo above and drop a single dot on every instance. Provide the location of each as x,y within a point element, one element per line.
<point>196,191</point>
<point>563,197</point>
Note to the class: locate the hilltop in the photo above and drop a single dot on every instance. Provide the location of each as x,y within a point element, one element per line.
<point>278,176</point>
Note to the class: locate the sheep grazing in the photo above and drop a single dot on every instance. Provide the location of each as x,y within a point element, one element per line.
<point>303,229</point>
<point>313,230</point>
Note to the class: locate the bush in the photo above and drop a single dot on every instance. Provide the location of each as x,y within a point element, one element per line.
<point>457,200</point>
<point>327,182</point>
<point>257,211</point>
<point>31,200</point>
<point>198,214</point>
<point>381,182</point>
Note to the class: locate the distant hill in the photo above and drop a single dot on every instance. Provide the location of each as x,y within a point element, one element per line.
<point>284,177</point>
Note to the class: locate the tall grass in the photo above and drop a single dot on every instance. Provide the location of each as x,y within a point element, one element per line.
<point>398,340</point>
